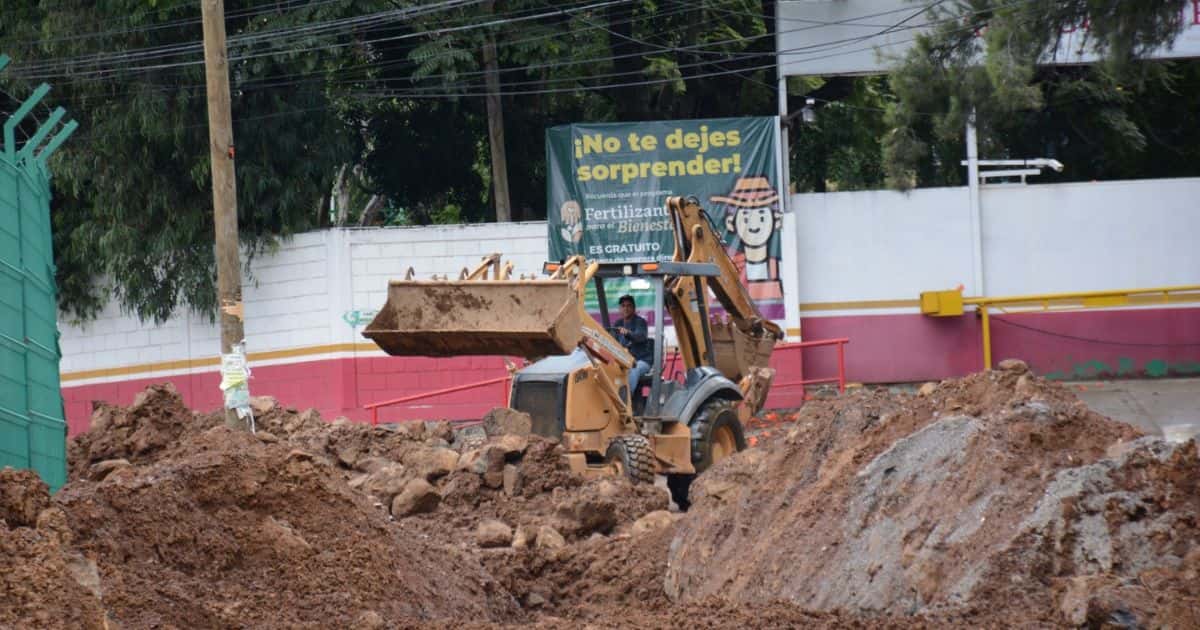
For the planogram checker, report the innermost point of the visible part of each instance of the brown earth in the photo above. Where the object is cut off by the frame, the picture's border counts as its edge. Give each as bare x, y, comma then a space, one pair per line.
44, 583
227, 530
995, 500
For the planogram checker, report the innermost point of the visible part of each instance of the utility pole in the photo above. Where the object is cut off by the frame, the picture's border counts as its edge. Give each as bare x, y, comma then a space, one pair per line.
225, 216
495, 113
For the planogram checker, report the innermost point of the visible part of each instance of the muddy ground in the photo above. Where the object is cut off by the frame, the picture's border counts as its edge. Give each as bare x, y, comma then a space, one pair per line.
997, 500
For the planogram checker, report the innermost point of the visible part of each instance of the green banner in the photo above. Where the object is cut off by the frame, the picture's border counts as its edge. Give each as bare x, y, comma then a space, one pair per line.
607, 185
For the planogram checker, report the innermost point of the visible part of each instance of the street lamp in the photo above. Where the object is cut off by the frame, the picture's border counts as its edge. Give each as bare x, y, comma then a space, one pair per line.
809, 114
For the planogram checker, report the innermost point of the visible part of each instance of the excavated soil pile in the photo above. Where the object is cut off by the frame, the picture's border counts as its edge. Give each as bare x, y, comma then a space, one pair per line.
44, 583
135, 434
993, 499
308, 522
227, 530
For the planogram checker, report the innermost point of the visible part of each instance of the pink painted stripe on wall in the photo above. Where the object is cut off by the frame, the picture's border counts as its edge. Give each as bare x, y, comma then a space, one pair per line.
883, 349
1069, 345
341, 387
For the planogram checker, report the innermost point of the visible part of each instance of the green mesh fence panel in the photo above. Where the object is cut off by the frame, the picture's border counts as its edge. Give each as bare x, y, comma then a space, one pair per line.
33, 428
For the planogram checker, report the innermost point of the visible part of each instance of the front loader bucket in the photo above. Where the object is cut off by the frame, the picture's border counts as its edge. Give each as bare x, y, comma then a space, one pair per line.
527, 318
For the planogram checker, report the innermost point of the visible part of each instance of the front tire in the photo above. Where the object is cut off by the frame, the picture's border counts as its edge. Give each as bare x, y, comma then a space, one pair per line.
632, 456
716, 434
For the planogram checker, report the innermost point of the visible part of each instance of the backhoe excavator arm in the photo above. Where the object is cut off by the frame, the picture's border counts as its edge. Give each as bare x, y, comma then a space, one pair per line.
739, 346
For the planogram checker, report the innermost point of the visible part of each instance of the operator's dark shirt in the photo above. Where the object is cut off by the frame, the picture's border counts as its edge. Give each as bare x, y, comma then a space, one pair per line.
636, 341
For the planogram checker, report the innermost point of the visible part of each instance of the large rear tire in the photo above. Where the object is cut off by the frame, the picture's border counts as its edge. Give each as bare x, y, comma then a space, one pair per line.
716, 434
632, 456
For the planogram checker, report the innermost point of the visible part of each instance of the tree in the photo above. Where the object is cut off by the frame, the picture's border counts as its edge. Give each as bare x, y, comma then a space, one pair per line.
345, 111
982, 58
133, 209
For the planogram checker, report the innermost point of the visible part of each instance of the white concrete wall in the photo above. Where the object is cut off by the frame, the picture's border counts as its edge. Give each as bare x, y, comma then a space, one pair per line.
1091, 236
320, 288
378, 255
310, 293
882, 245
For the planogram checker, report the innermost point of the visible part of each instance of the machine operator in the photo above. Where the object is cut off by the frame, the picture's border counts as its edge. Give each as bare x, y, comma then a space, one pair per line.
633, 333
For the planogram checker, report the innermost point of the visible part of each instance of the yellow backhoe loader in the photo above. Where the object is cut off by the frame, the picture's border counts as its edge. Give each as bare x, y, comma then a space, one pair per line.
576, 387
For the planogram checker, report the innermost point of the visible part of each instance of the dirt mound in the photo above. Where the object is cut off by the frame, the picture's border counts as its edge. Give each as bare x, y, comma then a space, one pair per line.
194, 524
156, 420
43, 582
227, 530
892, 504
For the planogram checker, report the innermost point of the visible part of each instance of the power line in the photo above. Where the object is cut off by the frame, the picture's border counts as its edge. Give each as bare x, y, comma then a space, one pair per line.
276, 83
423, 93
692, 48
250, 12
1106, 342
37, 70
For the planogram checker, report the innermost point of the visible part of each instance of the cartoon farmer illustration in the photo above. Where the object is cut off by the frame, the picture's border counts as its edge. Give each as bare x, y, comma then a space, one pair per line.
752, 215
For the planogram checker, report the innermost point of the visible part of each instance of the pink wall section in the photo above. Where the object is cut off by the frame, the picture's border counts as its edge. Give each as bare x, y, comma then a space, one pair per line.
883, 349
341, 387
1064, 345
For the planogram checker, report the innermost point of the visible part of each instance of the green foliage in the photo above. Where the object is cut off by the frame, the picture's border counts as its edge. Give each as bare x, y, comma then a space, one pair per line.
543, 63
982, 57
841, 149
134, 203
398, 102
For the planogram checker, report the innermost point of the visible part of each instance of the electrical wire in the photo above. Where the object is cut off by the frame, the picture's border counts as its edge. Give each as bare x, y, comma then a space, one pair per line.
250, 12
1106, 342
691, 48
38, 69
431, 93
276, 82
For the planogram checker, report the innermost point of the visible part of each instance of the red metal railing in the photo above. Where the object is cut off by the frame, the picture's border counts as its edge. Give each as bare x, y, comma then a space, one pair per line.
840, 379
374, 407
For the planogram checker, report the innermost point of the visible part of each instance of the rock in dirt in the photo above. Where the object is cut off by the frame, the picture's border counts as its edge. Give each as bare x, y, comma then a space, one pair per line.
262, 405
584, 513
512, 480
493, 533
418, 497
1013, 365
487, 462
505, 421
369, 620
386, 482
102, 469
658, 519
549, 538
513, 446
927, 389
432, 463
373, 464
524, 536
443, 431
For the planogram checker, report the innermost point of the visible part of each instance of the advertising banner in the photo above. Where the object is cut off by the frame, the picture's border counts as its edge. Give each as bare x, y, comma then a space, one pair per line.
607, 184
